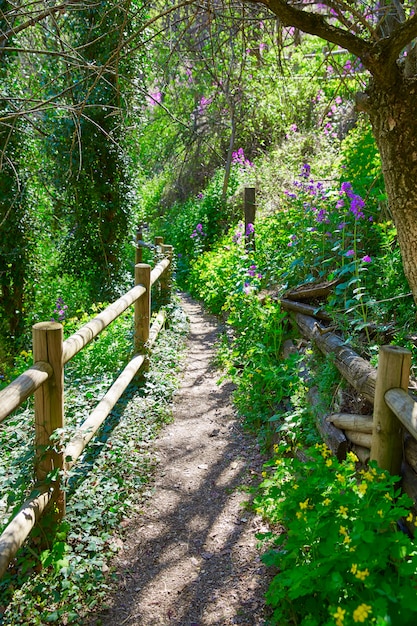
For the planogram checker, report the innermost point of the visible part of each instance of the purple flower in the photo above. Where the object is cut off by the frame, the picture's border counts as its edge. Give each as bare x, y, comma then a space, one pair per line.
252, 270
198, 232
154, 98
366, 259
290, 194
346, 188
305, 170
357, 203
238, 158
204, 103
249, 229
321, 215
350, 253
60, 310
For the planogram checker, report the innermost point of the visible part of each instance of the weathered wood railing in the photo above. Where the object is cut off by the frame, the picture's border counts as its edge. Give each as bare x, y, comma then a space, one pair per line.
45, 379
380, 436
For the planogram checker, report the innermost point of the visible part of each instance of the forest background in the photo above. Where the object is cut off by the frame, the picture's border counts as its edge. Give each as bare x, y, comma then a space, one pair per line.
116, 115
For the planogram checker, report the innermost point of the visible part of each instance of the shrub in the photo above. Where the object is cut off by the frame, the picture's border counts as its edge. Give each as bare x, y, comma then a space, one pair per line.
342, 559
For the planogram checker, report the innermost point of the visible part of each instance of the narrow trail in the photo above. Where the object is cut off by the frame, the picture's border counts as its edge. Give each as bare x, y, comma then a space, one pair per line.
189, 556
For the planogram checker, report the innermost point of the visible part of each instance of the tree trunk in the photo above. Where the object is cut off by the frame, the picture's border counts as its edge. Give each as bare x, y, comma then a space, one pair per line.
394, 123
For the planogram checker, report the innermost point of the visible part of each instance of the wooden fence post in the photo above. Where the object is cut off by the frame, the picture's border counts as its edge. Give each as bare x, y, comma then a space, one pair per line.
49, 408
166, 278
387, 437
142, 307
138, 249
159, 242
250, 215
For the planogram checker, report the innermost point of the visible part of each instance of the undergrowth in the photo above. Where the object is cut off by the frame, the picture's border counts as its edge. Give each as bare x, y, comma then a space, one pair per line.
337, 554
60, 582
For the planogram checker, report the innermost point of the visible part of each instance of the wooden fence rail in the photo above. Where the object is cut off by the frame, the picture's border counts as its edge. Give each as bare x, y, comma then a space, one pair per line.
389, 435
45, 380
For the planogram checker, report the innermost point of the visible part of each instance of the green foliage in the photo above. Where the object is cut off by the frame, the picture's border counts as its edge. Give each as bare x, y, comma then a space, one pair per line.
63, 582
264, 381
341, 559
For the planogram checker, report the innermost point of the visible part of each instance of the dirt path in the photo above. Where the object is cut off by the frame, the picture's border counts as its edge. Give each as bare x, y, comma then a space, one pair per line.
189, 556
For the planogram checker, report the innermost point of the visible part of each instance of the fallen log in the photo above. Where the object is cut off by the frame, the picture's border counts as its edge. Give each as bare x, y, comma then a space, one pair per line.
357, 371
359, 439
306, 309
410, 451
362, 453
332, 436
311, 291
350, 421
409, 482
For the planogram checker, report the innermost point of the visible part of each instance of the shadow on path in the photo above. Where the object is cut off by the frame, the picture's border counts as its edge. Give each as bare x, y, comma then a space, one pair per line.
190, 557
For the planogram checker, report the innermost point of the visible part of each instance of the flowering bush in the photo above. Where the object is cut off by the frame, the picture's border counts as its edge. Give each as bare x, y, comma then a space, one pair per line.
342, 560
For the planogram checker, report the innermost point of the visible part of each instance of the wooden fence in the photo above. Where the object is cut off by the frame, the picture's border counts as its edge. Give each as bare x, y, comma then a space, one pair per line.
389, 435
45, 379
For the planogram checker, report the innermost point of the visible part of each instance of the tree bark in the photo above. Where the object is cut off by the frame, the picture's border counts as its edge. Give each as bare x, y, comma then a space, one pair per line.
394, 124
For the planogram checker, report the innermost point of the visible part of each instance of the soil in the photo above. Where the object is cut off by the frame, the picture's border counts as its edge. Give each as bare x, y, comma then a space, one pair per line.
189, 555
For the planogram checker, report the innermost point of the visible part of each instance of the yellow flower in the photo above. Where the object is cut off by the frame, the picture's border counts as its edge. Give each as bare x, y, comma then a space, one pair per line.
361, 613
341, 479
295, 486
324, 450
367, 475
347, 540
409, 517
354, 568
343, 511
343, 530
388, 496
264, 474
304, 505
329, 462
352, 457
362, 488
362, 574
380, 513
326, 501
339, 616
276, 448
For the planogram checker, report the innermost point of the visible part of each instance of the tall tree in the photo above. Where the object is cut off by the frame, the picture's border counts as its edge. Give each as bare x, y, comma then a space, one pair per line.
381, 35
16, 240
88, 148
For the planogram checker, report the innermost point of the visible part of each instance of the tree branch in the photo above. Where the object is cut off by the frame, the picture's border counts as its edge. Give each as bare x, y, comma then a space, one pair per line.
403, 34
316, 24
379, 57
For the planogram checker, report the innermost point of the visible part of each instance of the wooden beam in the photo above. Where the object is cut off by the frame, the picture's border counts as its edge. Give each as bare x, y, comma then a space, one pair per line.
357, 371
387, 437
